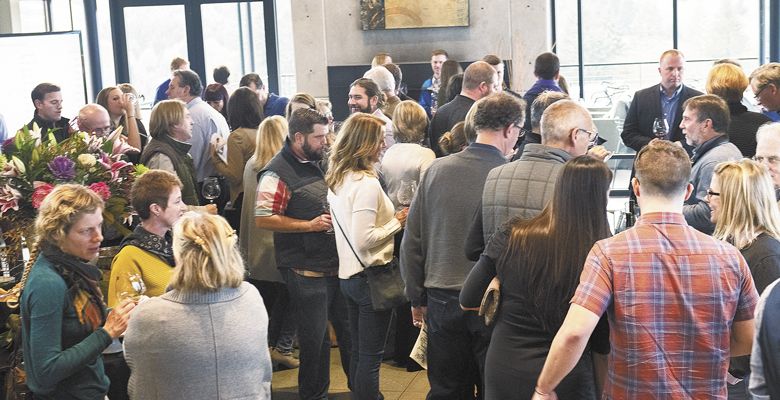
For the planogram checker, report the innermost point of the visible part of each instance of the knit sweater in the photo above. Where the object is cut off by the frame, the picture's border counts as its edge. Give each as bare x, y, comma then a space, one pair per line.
432, 248
154, 271
62, 358
200, 345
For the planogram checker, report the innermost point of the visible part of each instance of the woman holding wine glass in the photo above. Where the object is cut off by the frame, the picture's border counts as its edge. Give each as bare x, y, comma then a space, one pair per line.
206, 338
148, 251
407, 160
122, 111
65, 324
365, 221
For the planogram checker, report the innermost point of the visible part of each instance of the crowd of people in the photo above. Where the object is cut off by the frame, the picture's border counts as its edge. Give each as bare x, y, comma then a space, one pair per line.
472, 187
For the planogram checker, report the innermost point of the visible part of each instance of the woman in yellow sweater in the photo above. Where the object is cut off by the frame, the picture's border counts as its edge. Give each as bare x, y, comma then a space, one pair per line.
148, 251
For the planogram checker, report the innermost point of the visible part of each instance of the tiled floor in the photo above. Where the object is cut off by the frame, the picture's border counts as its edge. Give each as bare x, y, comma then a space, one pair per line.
395, 383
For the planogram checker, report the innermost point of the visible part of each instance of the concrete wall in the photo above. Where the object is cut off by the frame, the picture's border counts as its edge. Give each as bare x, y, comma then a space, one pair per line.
327, 33
9, 16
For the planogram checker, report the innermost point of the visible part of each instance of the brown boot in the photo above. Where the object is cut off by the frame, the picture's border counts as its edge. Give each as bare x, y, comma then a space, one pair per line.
279, 358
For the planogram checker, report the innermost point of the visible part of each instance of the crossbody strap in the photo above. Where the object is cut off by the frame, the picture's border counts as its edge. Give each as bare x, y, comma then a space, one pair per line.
346, 238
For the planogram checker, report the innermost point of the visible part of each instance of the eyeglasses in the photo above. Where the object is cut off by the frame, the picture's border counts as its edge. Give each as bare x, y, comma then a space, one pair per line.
758, 94
710, 193
773, 160
592, 135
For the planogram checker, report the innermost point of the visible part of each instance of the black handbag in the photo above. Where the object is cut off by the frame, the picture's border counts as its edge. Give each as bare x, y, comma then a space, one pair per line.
384, 281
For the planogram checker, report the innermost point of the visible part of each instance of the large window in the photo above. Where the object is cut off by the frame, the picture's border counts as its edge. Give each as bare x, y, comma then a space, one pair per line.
621, 41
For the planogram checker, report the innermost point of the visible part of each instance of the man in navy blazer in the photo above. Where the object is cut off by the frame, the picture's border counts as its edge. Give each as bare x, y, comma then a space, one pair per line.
662, 100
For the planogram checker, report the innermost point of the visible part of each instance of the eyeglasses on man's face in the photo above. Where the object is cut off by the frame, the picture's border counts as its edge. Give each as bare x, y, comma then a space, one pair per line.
592, 135
774, 160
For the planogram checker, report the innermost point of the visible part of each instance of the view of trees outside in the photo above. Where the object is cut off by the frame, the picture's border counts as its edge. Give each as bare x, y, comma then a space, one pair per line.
629, 36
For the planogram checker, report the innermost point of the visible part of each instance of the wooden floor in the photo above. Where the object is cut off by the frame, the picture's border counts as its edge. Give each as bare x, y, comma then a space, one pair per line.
395, 383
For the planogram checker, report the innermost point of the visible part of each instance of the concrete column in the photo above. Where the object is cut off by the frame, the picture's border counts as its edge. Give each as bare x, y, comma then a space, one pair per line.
10, 19
531, 35
311, 53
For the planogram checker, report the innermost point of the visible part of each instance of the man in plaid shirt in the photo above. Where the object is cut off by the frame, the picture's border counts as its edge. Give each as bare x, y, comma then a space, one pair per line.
679, 302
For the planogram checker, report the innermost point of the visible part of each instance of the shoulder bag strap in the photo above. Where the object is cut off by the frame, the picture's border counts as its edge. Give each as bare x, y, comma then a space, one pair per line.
347, 239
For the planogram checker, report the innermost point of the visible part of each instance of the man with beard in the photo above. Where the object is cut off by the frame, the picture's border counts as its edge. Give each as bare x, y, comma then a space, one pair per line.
291, 200
365, 96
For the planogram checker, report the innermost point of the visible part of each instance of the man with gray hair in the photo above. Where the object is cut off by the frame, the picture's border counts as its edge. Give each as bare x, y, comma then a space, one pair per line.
432, 261
479, 80
206, 123
768, 151
765, 84
94, 119
704, 122
384, 79
523, 188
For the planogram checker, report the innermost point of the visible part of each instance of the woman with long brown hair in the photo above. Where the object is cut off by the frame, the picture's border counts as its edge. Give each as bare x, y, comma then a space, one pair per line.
539, 262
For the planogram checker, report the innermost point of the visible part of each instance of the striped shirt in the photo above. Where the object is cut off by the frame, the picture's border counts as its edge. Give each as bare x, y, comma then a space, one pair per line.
671, 294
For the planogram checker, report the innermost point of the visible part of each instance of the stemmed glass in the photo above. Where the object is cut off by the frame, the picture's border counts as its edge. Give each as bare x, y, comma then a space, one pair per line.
211, 189
660, 128
406, 193
131, 286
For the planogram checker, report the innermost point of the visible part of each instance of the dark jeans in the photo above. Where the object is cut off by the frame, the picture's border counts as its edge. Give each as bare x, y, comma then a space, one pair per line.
457, 346
281, 324
368, 329
314, 301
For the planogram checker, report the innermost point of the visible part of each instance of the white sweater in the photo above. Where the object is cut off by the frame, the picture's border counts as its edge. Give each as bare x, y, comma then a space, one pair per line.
367, 217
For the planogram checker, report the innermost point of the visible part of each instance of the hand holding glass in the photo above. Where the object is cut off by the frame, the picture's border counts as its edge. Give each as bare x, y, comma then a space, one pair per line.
406, 193
660, 128
211, 189
326, 210
131, 286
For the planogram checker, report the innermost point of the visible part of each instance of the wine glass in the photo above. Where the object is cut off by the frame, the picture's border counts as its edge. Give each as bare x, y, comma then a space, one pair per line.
660, 128
211, 189
131, 286
406, 193
326, 210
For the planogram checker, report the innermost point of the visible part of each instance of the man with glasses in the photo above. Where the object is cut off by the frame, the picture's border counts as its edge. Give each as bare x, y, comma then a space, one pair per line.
704, 122
94, 119
432, 260
522, 188
765, 84
47, 99
479, 81
768, 151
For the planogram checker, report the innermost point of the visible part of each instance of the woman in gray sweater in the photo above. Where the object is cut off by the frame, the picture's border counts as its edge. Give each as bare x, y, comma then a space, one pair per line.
207, 337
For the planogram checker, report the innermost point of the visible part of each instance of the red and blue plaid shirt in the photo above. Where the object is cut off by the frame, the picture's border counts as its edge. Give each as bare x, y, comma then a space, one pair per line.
671, 294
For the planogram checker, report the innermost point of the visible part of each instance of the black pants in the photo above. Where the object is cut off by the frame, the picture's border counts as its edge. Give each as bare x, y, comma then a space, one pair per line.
457, 345
119, 373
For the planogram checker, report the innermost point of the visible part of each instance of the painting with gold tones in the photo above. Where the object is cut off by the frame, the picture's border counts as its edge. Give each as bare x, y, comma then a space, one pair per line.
404, 14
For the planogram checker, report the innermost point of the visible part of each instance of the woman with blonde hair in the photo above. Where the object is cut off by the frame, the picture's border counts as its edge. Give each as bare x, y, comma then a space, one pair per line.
206, 337
365, 221
407, 159
729, 82
171, 129
65, 325
745, 213
257, 245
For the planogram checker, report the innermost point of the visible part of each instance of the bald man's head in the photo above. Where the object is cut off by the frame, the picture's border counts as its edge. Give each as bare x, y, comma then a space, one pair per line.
94, 119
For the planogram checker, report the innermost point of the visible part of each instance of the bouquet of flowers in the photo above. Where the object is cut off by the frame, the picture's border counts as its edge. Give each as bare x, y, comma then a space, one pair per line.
30, 169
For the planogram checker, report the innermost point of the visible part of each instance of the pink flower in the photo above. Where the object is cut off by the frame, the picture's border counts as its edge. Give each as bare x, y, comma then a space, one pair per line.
101, 189
9, 199
42, 189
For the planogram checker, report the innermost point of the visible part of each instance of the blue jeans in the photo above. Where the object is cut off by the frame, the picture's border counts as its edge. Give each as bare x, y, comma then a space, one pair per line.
314, 301
457, 347
368, 329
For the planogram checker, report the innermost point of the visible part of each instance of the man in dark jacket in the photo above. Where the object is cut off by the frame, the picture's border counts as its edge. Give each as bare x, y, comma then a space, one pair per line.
290, 198
47, 99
